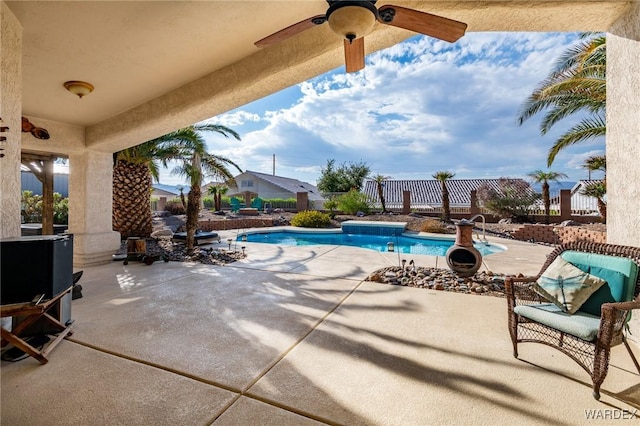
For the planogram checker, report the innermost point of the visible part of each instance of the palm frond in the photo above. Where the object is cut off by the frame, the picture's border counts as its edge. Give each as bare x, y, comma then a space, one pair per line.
588, 128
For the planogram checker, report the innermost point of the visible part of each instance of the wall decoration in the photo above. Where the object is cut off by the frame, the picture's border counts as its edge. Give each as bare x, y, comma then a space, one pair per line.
38, 132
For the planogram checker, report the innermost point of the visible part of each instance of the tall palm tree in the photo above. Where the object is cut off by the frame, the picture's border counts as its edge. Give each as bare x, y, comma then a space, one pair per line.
595, 163
133, 171
379, 180
540, 176
134, 167
190, 149
597, 190
217, 191
443, 176
577, 84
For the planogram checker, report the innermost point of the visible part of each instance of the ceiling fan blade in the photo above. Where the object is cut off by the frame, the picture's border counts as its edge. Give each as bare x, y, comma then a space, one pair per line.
425, 23
291, 31
354, 54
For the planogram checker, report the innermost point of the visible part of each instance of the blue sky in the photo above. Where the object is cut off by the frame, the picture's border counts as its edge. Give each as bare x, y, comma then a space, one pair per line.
418, 107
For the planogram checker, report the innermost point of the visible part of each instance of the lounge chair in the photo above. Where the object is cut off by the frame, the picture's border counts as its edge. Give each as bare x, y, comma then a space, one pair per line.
256, 203
588, 330
235, 205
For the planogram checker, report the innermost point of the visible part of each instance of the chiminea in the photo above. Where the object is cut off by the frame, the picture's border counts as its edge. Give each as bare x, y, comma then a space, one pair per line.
462, 257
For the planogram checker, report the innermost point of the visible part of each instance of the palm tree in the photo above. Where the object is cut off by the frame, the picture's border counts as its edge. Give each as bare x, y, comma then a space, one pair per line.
379, 180
577, 84
443, 176
597, 190
135, 167
217, 191
133, 171
595, 163
190, 149
540, 176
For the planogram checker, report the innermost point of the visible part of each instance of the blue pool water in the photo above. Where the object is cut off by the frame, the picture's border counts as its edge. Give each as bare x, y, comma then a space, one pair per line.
402, 244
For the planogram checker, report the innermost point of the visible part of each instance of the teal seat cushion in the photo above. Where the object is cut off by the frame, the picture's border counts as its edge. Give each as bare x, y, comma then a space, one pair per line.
582, 325
619, 272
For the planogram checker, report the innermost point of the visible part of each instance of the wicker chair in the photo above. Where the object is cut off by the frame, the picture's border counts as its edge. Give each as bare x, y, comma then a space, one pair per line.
591, 354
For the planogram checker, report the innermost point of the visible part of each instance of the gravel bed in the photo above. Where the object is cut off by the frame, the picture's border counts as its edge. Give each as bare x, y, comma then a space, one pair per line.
168, 250
481, 283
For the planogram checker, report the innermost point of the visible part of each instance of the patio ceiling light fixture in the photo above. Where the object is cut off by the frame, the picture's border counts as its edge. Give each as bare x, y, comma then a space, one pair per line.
350, 20
78, 88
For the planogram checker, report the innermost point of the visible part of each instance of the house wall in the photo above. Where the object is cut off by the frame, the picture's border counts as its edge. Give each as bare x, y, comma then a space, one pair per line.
623, 136
263, 188
11, 110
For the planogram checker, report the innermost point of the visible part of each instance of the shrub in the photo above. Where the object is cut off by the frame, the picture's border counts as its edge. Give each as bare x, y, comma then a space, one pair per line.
310, 219
433, 226
60, 209
331, 205
353, 202
208, 202
32, 208
511, 200
174, 207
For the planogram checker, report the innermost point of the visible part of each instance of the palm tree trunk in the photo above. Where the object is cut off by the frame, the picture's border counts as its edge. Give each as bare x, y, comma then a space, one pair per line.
445, 203
131, 212
602, 207
547, 201
193, 202
381, 195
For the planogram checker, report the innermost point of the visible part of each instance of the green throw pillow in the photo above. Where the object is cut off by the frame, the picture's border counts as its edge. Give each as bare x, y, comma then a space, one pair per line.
566, 286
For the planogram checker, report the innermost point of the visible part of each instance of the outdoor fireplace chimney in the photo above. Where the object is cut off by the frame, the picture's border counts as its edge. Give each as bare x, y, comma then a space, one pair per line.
462, 257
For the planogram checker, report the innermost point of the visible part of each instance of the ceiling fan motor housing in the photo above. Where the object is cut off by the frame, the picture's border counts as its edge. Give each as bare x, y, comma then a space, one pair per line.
352, 19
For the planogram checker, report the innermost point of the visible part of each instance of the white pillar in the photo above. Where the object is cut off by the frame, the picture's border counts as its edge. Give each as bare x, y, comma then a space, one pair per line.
623, 136
10, 112
90, 203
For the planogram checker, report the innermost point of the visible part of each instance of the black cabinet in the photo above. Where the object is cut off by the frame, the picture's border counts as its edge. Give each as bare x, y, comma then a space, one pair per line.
35, 265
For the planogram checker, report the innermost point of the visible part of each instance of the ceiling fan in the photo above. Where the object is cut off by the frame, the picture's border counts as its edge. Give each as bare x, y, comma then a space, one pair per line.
354, 19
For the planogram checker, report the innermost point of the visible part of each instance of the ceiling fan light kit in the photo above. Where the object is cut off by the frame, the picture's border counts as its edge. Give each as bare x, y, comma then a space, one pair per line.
354, 19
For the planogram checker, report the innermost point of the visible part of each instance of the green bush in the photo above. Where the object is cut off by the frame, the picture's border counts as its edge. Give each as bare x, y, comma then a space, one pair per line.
353, 202
32, 208
60, 209
310, 219
208, 202
331, 205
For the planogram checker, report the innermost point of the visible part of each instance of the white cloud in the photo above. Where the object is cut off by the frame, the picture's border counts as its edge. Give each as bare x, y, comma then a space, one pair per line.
418, 107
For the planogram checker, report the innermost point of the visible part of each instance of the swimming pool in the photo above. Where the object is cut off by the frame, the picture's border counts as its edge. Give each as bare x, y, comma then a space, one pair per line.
401, 243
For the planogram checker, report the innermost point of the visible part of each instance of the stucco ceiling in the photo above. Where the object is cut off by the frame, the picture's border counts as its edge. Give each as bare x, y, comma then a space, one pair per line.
192, 60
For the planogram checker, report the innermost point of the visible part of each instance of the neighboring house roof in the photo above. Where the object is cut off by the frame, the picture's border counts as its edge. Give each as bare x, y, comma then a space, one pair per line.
583, 183
170, 189
288, 184
429, 191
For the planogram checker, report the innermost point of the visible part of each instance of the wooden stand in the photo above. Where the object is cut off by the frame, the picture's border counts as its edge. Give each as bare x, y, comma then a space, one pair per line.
32, 313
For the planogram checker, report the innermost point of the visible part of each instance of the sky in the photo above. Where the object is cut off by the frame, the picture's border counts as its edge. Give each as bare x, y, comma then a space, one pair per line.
418, 107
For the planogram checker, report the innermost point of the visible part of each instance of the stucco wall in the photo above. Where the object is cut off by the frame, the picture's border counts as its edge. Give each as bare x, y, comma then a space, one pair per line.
623, 136
10, 110
64, 138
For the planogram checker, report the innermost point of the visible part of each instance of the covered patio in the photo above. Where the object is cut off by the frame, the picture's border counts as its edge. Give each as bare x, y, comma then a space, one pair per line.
282, 338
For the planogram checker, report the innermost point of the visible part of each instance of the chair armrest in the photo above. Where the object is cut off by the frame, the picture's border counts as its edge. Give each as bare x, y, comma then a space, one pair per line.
519, 288
613, 317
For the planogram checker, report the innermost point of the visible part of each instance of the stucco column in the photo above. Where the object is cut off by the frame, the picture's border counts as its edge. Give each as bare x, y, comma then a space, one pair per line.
90, 203
623, 136
10, 112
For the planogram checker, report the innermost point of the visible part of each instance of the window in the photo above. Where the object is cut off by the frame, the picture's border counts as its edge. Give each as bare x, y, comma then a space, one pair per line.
246, 184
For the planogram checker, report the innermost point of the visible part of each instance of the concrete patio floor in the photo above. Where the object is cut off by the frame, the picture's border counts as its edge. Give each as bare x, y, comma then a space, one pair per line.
293, 336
